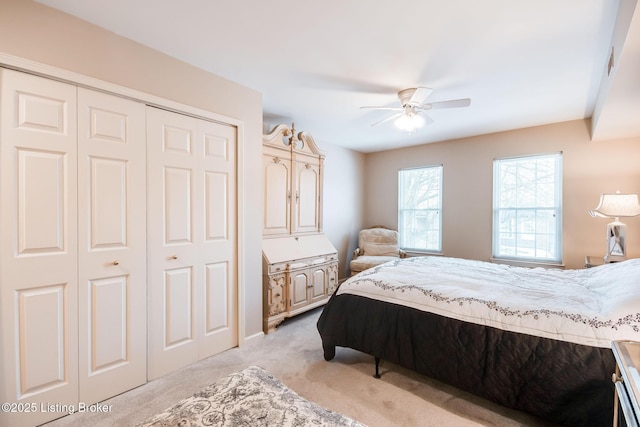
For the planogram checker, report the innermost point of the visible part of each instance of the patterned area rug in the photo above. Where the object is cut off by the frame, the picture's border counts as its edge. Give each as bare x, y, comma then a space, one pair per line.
251, 397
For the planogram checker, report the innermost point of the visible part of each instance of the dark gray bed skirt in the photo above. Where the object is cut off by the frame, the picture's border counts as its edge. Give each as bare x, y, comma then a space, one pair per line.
557, 381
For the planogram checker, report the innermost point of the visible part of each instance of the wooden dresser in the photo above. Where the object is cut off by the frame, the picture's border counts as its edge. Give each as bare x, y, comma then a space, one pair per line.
300, 265
627, 382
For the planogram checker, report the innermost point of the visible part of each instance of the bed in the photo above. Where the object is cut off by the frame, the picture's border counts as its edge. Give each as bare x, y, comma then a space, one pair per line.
533, 339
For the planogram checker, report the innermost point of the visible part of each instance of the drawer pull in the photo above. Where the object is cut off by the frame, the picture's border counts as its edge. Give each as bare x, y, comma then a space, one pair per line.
116, 262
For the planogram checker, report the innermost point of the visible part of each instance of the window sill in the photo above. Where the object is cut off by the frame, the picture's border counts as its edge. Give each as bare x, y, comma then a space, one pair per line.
528, 263
414, 253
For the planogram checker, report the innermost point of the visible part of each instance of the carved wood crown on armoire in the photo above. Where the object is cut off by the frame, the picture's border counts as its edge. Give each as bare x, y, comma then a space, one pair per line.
299, 263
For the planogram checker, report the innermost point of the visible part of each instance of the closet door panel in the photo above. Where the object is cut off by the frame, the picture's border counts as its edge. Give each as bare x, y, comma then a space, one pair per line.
218, 322
41, 203
179, 317
41, 339
108, 318
173, 263
38, 244
108, 203
177, 205
217, 311
216, 213
112, 244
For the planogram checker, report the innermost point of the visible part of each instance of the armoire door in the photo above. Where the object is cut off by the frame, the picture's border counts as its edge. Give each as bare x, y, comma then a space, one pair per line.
306, 193
38, 246
192, 274
112, 274
318, 285
277, 195
298, 295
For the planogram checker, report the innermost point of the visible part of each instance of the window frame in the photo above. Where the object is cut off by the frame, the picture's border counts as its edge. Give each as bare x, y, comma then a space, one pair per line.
438, 209
535, 209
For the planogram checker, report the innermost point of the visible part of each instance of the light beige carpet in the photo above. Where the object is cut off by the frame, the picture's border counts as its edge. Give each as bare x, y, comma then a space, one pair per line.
293, 354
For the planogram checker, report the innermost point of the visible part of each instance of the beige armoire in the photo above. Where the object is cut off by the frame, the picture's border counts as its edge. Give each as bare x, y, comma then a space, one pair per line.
300, 265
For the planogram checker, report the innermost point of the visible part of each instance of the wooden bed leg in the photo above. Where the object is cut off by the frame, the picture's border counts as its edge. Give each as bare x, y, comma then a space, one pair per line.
377, 374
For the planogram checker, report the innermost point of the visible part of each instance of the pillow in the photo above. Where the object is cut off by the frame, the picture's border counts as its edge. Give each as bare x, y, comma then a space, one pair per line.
381, 249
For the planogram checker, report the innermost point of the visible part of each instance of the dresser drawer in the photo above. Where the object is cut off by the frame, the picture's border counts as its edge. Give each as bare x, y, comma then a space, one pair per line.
280, 267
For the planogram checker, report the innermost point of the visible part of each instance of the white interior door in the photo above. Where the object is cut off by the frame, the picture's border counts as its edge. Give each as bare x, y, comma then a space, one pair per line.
217, 225
112, 245
191, 239
171, 196
38, 246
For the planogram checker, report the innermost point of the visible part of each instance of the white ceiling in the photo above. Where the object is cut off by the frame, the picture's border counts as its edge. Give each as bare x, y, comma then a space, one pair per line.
522, 63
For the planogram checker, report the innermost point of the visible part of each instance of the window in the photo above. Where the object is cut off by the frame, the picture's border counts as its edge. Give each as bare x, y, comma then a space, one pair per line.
419, 208
527, 208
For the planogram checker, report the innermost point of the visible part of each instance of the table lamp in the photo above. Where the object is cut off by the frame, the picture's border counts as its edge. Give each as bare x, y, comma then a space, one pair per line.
616, 206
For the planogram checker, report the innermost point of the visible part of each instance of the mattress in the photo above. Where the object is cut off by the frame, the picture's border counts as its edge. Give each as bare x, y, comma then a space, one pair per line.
591, 306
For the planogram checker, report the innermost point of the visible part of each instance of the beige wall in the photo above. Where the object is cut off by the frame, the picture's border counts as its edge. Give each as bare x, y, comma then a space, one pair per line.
343, 200
38, 33
589, 169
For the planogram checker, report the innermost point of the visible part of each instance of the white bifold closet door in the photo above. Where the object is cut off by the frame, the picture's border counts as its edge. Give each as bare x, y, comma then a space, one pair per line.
112, 274
72, 246
38, 245
192, 270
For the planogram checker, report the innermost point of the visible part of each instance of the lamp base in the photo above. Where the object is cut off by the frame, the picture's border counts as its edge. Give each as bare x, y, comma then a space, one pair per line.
613, 258
616, 242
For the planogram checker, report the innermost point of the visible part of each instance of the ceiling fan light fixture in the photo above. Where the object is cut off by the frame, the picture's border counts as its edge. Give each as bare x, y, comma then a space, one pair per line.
413, 101
409, 122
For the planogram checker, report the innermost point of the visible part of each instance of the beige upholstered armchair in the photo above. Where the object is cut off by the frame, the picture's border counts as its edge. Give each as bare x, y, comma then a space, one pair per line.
376, 246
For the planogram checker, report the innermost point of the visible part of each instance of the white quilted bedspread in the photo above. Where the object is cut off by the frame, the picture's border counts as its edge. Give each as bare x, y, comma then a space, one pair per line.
589, 306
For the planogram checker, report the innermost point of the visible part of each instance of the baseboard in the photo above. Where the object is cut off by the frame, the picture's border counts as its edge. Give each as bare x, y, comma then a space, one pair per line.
251, 337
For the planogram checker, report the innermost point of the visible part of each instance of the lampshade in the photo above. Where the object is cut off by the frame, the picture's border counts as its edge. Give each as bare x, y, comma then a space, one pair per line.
409, 122
616, 206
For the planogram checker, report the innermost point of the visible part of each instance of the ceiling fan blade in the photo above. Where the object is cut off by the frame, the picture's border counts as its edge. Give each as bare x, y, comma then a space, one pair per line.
427, 120
386, 119
420, 96
382, 108
454, 103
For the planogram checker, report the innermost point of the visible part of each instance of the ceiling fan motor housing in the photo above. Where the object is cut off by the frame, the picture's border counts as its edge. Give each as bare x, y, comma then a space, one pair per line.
410, 97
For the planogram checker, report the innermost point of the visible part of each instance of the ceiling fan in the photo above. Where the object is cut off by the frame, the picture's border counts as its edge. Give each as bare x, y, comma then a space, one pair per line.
413, 103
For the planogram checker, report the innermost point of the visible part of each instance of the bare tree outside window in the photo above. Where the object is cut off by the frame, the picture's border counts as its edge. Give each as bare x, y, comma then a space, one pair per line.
419, 208
527, 214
